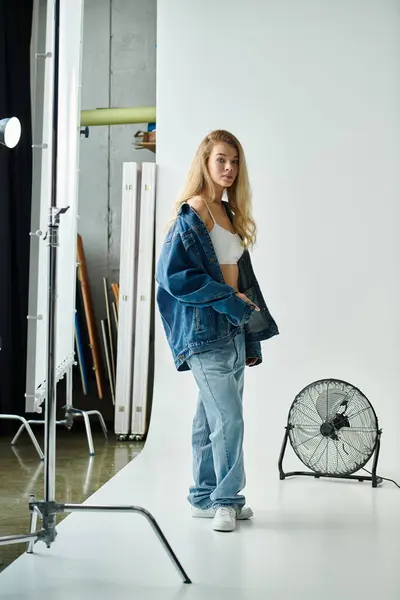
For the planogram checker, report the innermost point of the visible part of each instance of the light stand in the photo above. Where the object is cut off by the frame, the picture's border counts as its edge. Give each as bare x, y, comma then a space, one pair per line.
71, 415
49, 508
10, 132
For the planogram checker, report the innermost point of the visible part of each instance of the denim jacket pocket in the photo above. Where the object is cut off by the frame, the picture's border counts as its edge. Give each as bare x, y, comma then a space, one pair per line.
208, 323
254, 294
196, 317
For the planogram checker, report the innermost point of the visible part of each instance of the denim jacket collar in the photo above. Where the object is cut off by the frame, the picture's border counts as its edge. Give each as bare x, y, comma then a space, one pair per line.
198, 319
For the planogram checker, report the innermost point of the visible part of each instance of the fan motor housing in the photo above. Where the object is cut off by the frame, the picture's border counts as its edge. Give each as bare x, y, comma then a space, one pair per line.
327, 429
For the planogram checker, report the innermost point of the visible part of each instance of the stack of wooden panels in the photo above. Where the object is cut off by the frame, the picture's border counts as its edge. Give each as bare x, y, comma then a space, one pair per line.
126, 329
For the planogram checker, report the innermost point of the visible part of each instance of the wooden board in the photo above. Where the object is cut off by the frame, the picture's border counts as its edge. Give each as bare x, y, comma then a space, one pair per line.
115, 290
89, 315
80, 353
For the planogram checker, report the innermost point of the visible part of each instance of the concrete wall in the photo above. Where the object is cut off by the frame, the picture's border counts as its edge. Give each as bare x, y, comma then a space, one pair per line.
118, 70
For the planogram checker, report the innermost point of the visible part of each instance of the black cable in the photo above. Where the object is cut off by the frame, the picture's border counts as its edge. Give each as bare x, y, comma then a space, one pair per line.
384, 478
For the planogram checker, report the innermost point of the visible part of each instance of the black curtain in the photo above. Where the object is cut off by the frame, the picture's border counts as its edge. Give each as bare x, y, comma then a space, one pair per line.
15, 203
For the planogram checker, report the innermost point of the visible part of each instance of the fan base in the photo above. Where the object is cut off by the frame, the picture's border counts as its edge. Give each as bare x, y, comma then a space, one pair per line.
373, 477
375, 481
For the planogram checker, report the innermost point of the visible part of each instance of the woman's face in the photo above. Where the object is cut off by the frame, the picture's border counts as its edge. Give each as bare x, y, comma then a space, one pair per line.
223, 164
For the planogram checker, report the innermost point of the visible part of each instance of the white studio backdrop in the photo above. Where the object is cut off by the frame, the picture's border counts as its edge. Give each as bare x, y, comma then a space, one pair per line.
71, 23
312, 89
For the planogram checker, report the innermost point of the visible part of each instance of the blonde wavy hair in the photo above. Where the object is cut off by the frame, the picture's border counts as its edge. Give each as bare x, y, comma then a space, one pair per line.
199, 183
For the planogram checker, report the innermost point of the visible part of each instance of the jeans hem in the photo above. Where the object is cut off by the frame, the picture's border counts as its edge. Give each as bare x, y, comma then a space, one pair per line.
206, 507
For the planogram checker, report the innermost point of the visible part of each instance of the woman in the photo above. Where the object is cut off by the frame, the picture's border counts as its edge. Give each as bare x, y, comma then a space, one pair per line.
214, 317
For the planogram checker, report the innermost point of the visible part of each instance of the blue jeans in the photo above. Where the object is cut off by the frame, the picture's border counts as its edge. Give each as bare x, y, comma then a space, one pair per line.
217, 436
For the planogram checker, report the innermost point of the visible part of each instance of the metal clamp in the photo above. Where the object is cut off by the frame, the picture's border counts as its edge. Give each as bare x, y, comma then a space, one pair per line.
42, 146
37, 233
43, 55
35, 318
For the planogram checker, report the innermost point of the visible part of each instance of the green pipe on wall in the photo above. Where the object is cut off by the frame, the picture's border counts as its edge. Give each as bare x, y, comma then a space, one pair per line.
118, 116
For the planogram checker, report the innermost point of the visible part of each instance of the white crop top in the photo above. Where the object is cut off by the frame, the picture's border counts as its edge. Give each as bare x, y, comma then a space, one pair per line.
227, 245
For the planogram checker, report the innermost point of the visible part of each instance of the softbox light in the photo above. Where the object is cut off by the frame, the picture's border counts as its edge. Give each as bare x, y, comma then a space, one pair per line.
10, 132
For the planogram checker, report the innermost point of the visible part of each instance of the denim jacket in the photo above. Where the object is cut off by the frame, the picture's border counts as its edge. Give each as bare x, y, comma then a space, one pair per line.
198, 310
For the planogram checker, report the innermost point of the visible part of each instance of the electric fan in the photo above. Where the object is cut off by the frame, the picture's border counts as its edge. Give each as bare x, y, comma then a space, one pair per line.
333, 429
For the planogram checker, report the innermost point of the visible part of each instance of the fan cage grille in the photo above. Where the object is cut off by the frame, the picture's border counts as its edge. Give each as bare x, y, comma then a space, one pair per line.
333, 427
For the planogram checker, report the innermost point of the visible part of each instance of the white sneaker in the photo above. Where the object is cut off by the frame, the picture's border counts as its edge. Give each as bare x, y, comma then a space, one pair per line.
224, 519
209, 513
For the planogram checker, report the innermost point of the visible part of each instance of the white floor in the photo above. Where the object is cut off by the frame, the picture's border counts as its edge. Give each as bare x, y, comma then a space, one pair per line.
308, 539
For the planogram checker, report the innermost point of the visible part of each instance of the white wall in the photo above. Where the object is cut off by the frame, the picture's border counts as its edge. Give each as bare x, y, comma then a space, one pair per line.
312, 89
119, 70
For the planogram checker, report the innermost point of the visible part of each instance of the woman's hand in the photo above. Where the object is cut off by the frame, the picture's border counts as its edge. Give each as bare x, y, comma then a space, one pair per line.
246, 299
251, 361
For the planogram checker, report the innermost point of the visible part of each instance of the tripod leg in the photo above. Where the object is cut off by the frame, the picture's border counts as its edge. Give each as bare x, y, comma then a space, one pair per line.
33, 438
166, 545
32, 525
88, 433
25, 425
101, 419
62, 508
17, 435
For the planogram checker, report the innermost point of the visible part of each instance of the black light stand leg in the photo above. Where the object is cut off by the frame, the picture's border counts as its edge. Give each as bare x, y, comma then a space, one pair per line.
282, 474
63, 508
